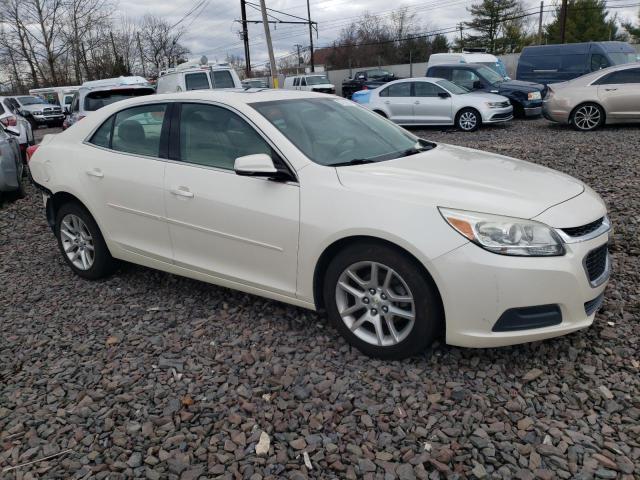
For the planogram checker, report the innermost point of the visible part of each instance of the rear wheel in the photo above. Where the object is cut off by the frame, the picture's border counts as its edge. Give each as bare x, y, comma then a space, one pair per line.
19, 192
81, 243
587, 117
468, 120
381, 302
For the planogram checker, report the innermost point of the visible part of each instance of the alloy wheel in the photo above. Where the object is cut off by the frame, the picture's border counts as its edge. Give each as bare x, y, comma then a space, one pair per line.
587, 117
77, 242
467, 121
375, 303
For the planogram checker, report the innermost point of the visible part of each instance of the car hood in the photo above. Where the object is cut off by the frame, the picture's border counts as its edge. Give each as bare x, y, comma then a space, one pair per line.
39, 107
519, 85
463, 178
485, 97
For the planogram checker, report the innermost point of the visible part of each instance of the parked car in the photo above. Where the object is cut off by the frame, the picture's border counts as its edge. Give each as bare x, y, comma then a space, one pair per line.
11, 165
610, 95
254, 83
557, 63
16, 123
316, 201
482, 58
95, 94
36, 110
366, 79
310, 83
56, 95
526, 97
435, 101
197, 76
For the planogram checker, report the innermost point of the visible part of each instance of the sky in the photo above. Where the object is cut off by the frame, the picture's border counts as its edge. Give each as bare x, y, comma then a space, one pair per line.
213, 31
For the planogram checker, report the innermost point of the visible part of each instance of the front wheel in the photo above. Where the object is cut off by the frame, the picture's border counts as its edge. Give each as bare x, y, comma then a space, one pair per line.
381, 302
81, 243
468, 120
587, 117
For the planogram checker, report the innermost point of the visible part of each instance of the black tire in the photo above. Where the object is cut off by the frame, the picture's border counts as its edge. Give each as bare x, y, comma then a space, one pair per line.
580, 123
381, 113
463, 124
20, 192
103, 263
429, 318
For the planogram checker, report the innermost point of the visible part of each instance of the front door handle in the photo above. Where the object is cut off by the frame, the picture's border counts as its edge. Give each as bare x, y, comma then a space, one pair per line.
182, 192
610, 89
417, 102
96, 172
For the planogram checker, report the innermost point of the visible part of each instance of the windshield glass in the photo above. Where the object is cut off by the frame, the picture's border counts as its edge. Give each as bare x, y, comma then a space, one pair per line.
317, 80
620, 58
452, 87
97, 100
30, 100
490, 75
336, 131
496, 67
378, 73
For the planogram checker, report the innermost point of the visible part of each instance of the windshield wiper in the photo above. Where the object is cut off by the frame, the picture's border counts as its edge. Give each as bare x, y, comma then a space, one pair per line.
355, 161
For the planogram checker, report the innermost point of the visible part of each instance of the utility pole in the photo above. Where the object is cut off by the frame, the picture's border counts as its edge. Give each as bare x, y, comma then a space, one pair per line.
461, 37
267, 34
540, 24
313, 67
245, 38
144, 73
297, 45
563, 20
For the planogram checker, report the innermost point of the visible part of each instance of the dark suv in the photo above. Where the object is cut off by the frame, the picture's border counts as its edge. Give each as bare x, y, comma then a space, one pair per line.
526, 97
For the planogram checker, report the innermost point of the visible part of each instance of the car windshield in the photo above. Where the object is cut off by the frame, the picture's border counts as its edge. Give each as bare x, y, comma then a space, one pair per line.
490, 75
378, 73
335, 131
496, 67
30, 100
452, 87
620, 58
97, 100
317, 80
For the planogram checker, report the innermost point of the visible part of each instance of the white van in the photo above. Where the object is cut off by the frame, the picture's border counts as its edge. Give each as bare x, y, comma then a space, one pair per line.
197, 76
95, 94
56, 95
311, 83
491, 61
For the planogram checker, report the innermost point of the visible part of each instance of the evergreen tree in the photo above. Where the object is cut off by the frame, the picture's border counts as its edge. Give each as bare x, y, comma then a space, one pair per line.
496, 26
587, 21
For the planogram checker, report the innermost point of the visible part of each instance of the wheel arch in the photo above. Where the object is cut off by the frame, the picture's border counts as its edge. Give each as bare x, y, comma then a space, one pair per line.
380, 112
56, 200
331, 250
467, 107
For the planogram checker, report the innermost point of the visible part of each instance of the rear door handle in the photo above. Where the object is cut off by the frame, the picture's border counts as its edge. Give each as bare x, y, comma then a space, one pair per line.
417, 102
387, 102
182, 192
96, 172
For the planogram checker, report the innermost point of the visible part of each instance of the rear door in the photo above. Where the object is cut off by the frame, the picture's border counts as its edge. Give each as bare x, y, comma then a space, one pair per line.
122, 176
428, 106
619, 93
399, 102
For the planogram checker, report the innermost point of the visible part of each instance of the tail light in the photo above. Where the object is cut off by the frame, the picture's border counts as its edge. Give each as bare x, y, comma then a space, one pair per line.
10, 121
30, 151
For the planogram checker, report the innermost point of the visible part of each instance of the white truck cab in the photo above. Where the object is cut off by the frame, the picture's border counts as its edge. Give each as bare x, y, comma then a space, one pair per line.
202, 75
311, 83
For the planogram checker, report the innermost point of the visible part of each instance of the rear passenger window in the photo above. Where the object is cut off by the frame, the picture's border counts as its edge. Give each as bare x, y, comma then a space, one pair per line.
102, 137
196, 81
296, 82
222, 79
399, 90
303, 82
137, 130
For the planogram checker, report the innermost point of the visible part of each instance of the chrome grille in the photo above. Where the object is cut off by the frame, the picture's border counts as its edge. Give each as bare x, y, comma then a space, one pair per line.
583, 229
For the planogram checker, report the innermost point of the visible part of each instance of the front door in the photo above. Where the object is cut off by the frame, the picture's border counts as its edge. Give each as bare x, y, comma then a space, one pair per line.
619, 93
429, 107
123, 179
241, 229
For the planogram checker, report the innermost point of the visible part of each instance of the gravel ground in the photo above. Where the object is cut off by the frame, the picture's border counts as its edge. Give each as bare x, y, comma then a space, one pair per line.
151, 375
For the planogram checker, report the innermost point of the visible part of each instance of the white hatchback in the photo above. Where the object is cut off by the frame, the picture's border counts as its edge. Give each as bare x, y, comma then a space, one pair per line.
315, 201
435, 101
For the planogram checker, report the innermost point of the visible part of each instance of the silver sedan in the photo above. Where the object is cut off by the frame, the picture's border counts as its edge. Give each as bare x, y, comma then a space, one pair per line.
435, 101
11, 165
610, 95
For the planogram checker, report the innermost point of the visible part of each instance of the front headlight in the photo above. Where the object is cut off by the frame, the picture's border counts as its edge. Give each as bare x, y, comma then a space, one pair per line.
505, 235
37, 112
534, 96
495, 104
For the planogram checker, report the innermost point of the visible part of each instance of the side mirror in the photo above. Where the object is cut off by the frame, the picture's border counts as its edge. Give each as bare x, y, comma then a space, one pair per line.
257, 165
444, 94
477, 85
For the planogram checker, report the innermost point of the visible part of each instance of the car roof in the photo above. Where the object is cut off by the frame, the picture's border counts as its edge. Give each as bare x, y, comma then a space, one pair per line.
588, 77
458, 65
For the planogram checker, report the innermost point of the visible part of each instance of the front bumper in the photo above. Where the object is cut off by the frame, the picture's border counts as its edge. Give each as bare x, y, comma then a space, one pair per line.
46, 119
497, 115
478, 287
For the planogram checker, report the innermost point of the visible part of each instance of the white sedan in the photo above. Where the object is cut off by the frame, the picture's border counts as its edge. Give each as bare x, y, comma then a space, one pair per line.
315, 201
435, 101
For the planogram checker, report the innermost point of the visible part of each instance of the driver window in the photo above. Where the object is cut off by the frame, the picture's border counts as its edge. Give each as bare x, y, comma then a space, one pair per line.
598, 61
465, 78
214, 137
303, 82
426, 89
